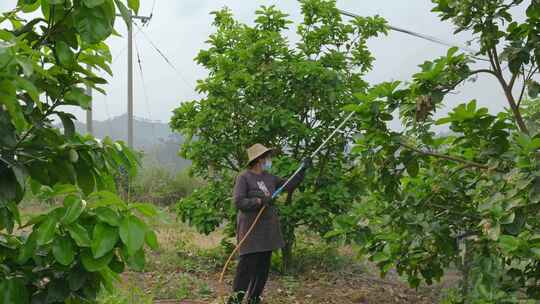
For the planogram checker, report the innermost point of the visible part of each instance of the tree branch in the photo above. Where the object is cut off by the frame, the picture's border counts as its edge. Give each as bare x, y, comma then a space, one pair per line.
494, 59
488, 71
232, 165
448, 157
525, 79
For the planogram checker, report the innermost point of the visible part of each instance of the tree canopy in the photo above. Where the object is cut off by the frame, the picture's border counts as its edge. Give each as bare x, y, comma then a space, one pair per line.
469, 198
263, 88
67, 254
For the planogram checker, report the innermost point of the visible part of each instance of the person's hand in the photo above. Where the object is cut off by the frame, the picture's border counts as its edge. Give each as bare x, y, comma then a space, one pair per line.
267, 201
307, 162
259, 201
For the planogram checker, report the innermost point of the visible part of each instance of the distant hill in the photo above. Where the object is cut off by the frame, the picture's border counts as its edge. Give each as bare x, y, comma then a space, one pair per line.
155, 138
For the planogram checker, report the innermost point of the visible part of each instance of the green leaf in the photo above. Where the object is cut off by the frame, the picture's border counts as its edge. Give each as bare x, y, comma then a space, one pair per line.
508, 243
67, 122
92, 264
104, 239
93, 24
412, 167
151, 240
30, 88
533, 88
379, 257
35, 220
132, 232
443, 121
64, 54
74, 207
124, 12
63, 189
136, 261
85, 178
77, 96
105, 198
28, 248
93, 3
79, 234
146, 209
63, 250
14, 291
134, 5
76, 278
26, 65
9, 100
109, 279
46, 231
108, 216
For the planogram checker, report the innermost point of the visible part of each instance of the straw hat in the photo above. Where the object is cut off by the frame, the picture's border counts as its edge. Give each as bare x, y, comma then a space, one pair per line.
256, 151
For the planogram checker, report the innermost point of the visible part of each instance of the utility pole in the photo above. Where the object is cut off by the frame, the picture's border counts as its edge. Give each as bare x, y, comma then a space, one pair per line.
89, 119
130, 74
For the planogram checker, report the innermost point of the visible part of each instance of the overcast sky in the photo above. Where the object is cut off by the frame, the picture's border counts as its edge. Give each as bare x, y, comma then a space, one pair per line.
181, 27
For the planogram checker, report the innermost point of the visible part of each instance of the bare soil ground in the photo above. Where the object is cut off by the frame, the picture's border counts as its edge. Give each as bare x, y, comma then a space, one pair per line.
186, 270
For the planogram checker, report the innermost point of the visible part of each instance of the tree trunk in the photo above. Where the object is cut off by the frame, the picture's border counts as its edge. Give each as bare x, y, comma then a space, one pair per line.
465, 268
287, 251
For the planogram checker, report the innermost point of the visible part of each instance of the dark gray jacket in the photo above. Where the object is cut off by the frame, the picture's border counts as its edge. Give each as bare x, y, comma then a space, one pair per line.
266, 236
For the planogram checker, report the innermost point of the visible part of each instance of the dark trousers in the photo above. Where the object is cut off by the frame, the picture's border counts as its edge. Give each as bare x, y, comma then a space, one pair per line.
251, 276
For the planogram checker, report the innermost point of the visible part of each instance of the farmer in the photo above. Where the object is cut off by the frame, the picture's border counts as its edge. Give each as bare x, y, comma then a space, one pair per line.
253, 190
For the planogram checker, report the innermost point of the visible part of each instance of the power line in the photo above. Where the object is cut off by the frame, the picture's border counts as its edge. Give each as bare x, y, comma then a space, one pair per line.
156, 48
145, 92
153, 7
419, 35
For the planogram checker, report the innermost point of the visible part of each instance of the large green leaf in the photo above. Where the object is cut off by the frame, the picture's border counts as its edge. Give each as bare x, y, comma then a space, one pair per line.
9, 100
79, 234
508, 243
8, 183
136, 261
85, 178
30, 88
93, 24
92, 264
63, 250
65, 55
104, 239
46, 231
77, 96
13, 291
93, 3
412, 167
151, 240
124, 12
134, 5
28, 248
74, 207
108, 216
145, 208
67, 122
76, 278
132, 233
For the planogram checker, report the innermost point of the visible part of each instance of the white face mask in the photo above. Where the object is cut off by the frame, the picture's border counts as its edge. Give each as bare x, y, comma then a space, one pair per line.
267, 164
